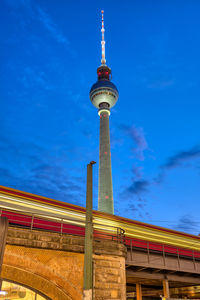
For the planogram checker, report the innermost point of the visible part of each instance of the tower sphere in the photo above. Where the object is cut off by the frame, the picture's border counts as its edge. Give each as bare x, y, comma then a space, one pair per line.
103, 94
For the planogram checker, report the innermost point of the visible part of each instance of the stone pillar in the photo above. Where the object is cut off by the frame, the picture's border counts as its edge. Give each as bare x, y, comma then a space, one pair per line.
105, 196
138, 291
3, 236
166, 288
109, 271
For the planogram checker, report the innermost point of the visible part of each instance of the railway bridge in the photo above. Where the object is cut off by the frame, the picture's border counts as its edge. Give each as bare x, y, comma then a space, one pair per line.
44, 254
154, 273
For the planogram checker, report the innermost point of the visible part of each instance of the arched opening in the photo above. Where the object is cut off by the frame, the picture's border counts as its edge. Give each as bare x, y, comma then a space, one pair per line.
55, 275
42, 286
12, 290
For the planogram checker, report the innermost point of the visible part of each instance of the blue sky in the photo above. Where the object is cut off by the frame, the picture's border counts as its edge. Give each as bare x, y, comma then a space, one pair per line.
50, 51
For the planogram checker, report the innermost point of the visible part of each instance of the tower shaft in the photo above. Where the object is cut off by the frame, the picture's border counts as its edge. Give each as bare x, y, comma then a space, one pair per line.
105, 196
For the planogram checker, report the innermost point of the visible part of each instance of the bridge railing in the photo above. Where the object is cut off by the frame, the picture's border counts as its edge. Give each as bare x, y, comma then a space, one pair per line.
67, 225
132, 295
165, 250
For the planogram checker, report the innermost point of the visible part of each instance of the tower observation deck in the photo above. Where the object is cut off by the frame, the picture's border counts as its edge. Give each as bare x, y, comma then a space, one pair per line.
104, 96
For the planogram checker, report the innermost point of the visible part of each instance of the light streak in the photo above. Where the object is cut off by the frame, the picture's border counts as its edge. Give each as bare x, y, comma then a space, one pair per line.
135, 231
39, 206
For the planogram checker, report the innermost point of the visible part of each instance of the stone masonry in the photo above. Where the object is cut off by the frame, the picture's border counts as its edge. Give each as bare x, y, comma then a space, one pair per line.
53, 265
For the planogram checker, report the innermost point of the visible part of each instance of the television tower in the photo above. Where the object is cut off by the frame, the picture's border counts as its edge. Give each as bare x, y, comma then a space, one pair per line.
104, 96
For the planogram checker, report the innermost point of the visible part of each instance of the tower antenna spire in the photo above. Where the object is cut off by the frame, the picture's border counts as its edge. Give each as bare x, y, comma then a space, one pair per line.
103, 56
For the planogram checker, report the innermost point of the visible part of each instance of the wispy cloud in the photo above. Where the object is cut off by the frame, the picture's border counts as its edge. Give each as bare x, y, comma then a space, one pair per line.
137, 207
135, 190
37, 13
51, 27
138, 187
32, 77
57, 181
137, 172
133, 208
187, 224
178, 160
33, 168
138, 137
181, 157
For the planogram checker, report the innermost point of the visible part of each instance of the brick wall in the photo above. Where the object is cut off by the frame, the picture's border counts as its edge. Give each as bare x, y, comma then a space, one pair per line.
53, 264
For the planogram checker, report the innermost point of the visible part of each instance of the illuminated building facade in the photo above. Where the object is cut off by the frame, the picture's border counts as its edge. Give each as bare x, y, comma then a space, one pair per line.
104, 96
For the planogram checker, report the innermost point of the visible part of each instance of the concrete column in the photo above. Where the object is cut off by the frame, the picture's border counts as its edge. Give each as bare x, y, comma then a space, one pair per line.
166, 288
105, 195
138, 291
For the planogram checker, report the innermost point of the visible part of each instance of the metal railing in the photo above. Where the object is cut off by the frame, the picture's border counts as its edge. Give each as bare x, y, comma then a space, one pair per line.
164, 250
68, 225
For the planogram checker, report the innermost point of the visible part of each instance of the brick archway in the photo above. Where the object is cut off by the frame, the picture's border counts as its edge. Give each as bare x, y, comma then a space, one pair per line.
56, 274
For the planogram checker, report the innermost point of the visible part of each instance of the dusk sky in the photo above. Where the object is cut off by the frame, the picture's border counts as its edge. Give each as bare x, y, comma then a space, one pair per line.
50, 51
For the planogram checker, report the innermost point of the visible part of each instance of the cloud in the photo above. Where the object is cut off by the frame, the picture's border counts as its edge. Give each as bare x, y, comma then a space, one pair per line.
178, 160
187, 224
138, 187
31, 167
52, 28
36, 12
32, 77
159, 178
136, 208
54, 180
137, 135
133, 208
133, 195
182, 156
137, 171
